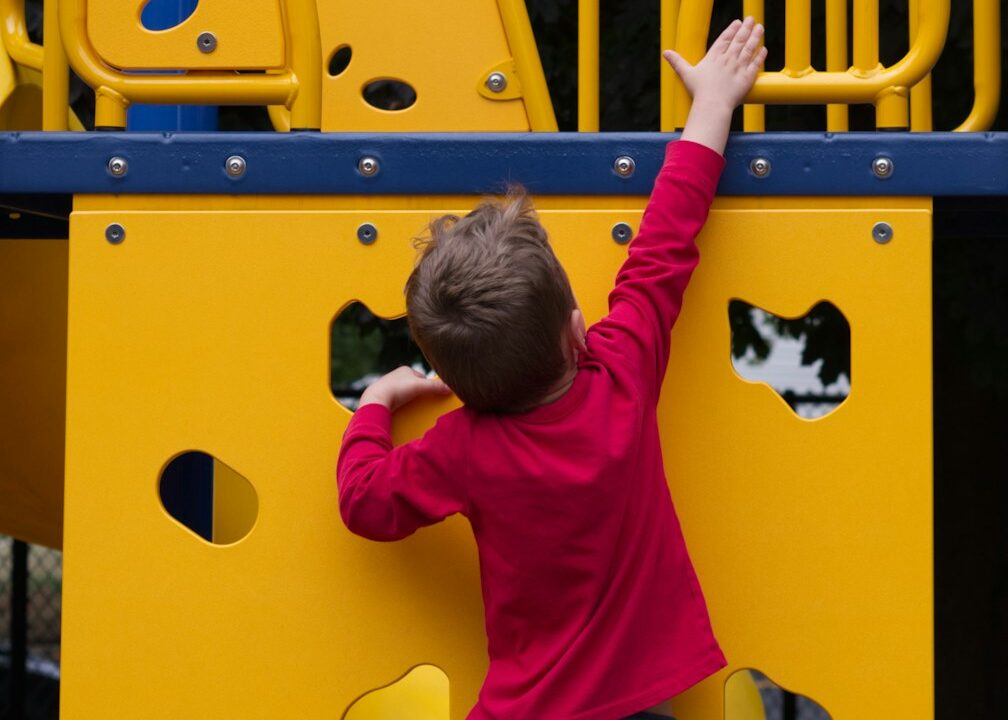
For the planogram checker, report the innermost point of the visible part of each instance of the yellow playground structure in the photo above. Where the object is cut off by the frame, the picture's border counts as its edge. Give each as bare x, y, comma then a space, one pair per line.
186, 312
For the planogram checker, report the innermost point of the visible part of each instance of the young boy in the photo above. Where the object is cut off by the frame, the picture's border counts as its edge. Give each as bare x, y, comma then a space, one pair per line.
593, 609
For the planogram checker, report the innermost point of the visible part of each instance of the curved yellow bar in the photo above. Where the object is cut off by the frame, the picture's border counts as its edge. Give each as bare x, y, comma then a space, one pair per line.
856, 85
15, 35
986, 66
521, 41
588, 65
114, 91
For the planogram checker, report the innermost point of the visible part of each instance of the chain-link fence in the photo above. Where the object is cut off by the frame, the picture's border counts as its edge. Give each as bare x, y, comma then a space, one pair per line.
31, 584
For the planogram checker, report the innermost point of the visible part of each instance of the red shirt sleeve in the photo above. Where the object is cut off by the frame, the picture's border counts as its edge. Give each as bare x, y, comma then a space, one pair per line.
650, 285
387, 493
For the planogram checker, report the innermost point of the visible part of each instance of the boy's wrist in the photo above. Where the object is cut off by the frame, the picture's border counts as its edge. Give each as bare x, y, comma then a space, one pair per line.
713, 106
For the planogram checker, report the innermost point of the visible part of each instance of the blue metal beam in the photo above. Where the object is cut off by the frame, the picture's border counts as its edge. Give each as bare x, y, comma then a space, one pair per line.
442, 163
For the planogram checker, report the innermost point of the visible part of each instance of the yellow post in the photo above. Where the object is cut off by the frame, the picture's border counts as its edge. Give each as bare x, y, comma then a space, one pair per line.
836, 58
55, 72
520, 39
891, 110
669, 80
798, 37
305, 55
691, 43
986, 66
920, 94
588, 65
754, 116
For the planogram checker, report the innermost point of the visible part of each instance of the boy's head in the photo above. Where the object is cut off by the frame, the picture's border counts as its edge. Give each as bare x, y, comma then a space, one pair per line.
490, 306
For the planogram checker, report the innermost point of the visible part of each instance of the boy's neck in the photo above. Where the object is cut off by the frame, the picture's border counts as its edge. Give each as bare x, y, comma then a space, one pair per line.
560, 388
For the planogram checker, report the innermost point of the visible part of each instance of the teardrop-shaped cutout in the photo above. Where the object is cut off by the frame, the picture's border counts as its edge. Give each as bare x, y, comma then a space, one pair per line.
364, 346
421, 694
166, 14
208, 497
389, 94
806, 360
751, 695
340, 60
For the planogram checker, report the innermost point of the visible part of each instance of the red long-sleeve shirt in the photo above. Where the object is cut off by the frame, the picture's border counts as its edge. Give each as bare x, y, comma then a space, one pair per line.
593, 609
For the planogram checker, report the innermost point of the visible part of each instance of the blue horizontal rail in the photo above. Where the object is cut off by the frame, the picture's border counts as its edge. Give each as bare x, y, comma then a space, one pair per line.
923, 164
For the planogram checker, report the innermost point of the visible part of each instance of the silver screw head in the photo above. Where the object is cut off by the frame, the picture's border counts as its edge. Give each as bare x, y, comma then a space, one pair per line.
368, 166
882, 167
760, 167
624, 166
117, 166
115, 233
235, 166
367, 233
496, 82
622, 233
206, 42
882, 232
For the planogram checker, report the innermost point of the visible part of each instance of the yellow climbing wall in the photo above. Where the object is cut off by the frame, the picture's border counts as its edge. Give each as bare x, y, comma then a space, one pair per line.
209, 331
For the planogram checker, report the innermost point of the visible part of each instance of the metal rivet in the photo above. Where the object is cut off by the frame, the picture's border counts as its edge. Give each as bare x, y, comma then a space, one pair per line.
760, 167
117, 166
367, 233
368, 166
622, 233
115, 233
235, 166
206, 42
882, 232
496, 82
624, 166
882, 167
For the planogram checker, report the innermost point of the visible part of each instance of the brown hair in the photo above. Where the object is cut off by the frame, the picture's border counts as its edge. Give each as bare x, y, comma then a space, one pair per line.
488, 303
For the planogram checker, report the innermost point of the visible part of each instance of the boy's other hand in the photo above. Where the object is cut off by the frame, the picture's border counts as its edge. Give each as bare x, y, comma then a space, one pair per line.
728, 70
401, 386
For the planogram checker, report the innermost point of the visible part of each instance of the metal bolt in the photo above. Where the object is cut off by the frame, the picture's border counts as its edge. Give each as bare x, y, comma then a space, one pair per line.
368, 166
496, 82
622, 233
206, 42
624, 166
882, 232
115, 233
882, 167
760, 167
367, 233
235, 166
117, 166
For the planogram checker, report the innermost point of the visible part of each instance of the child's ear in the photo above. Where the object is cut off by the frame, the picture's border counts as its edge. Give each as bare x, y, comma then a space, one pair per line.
577, 330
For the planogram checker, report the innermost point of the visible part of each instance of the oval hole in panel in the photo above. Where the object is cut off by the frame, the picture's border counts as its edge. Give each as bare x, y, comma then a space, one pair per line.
421, 694
340, 60
389, 94
208, 497
806, 360
751, 695
363, 347
166, 14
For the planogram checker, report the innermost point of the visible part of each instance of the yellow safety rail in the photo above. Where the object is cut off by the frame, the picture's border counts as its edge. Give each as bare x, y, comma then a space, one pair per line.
299, 87
15, 35
588, 65
521, 40
50, 61
866, 82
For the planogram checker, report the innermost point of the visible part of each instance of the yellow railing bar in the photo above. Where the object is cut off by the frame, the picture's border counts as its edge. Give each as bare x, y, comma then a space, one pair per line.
588, 65
754, 116
691, 43
986, 66
55, 72
15, 35
837, 116
518, 30
798, 37
667, 78
298, 88
920, 94
859, 84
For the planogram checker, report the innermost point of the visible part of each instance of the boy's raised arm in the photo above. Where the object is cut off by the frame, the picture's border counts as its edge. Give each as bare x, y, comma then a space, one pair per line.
649, 287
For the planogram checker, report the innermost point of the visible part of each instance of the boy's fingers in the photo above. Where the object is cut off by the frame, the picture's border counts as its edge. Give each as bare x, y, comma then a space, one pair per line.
757, 61
749, 50
726, 36
742, 36
674, 59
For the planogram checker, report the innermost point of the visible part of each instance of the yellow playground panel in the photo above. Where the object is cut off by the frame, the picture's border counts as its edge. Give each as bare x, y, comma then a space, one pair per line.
821, 580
